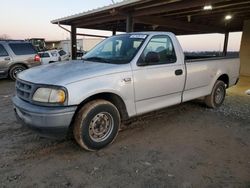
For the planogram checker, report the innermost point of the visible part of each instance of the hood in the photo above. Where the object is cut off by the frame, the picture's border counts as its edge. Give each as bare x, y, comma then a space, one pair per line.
63, 73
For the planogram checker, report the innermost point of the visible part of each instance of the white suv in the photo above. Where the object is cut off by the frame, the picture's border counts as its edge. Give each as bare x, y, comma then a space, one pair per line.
52, 56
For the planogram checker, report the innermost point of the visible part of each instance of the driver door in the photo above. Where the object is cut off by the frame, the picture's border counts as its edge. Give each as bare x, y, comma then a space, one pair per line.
160, 83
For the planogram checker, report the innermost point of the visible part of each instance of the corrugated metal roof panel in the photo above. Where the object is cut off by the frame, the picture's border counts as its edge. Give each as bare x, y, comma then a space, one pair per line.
120, 4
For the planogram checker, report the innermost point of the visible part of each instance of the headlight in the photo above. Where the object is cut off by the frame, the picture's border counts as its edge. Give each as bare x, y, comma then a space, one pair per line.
49, 95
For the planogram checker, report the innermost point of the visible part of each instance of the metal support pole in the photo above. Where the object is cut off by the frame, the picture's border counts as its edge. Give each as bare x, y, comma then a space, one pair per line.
73, 43
225, 44
114, 31
129, 23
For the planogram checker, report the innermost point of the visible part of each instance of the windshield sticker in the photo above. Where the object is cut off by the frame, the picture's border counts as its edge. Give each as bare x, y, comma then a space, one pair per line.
138, 36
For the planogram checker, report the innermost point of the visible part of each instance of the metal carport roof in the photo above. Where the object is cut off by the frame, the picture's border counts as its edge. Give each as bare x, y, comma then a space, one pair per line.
181, 17
178, 16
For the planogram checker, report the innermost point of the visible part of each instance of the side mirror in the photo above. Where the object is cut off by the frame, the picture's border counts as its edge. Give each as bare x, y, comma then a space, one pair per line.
152, 57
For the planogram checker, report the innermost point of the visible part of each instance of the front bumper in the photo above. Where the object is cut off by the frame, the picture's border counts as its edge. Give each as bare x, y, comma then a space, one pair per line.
48, 121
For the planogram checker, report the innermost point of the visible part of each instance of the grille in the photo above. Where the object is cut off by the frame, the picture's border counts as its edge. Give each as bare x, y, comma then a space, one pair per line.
24, 90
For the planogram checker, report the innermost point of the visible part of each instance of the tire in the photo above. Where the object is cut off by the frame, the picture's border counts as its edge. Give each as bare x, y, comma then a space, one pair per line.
16, 69
96, 125
216, 98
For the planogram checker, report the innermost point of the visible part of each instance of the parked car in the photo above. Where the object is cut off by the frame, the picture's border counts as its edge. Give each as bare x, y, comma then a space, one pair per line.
52, 56
16, 56
124, 76
64, 56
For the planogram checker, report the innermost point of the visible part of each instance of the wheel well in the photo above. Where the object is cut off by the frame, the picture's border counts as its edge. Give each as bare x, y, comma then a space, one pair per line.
111, 97
22, 64
225, 79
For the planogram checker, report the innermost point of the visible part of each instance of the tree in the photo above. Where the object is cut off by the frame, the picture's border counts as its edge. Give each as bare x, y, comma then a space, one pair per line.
4, 37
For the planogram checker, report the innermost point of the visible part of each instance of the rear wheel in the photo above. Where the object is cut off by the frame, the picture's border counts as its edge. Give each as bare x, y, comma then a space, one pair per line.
216, 98
96, 125
15, 70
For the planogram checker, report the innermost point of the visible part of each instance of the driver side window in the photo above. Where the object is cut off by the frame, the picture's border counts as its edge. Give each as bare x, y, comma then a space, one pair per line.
160, 50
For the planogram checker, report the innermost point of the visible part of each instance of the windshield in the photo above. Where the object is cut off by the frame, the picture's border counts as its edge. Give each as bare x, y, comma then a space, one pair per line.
119, 49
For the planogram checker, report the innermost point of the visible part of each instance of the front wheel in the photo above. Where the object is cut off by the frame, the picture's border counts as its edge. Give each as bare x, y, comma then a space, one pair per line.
15, 70
96, 125
216, 98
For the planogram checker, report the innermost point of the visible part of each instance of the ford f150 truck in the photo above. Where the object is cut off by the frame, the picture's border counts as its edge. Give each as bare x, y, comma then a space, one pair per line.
124, 76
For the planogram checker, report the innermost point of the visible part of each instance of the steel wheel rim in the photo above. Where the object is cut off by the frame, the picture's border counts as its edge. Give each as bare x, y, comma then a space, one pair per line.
101, 126
17, 71
219, 94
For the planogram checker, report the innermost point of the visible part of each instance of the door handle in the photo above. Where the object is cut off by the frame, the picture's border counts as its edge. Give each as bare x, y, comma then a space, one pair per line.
178, 72
7, 58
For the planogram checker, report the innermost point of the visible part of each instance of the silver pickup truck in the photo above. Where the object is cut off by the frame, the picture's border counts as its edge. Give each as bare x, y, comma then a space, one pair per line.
123, 76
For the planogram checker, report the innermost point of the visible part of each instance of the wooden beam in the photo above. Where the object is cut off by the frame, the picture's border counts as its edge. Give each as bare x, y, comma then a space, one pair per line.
90, 18
151, 4
100, 21
173, 7
178, 24
89, 35
99, 16
216, 8
216, 13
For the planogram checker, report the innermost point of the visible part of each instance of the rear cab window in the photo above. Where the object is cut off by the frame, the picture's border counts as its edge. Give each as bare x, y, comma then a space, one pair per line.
22, 48
54, 54
62, 52
3, 52
44, 55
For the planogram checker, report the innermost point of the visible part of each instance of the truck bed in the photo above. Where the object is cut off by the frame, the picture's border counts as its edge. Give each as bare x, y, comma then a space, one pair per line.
201, 74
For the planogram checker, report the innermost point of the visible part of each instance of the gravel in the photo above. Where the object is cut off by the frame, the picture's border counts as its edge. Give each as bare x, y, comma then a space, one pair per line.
182, 146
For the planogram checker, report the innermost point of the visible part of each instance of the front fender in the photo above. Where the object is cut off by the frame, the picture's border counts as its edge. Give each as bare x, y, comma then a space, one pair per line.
81, 90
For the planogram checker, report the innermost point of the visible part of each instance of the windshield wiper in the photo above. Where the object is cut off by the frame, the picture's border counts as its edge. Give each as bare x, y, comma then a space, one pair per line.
99, 59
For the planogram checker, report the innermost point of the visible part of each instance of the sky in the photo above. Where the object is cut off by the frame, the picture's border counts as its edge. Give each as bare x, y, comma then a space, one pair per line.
22, 19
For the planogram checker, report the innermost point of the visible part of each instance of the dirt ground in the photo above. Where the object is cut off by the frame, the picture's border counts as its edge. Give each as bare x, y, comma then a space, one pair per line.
182, 146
